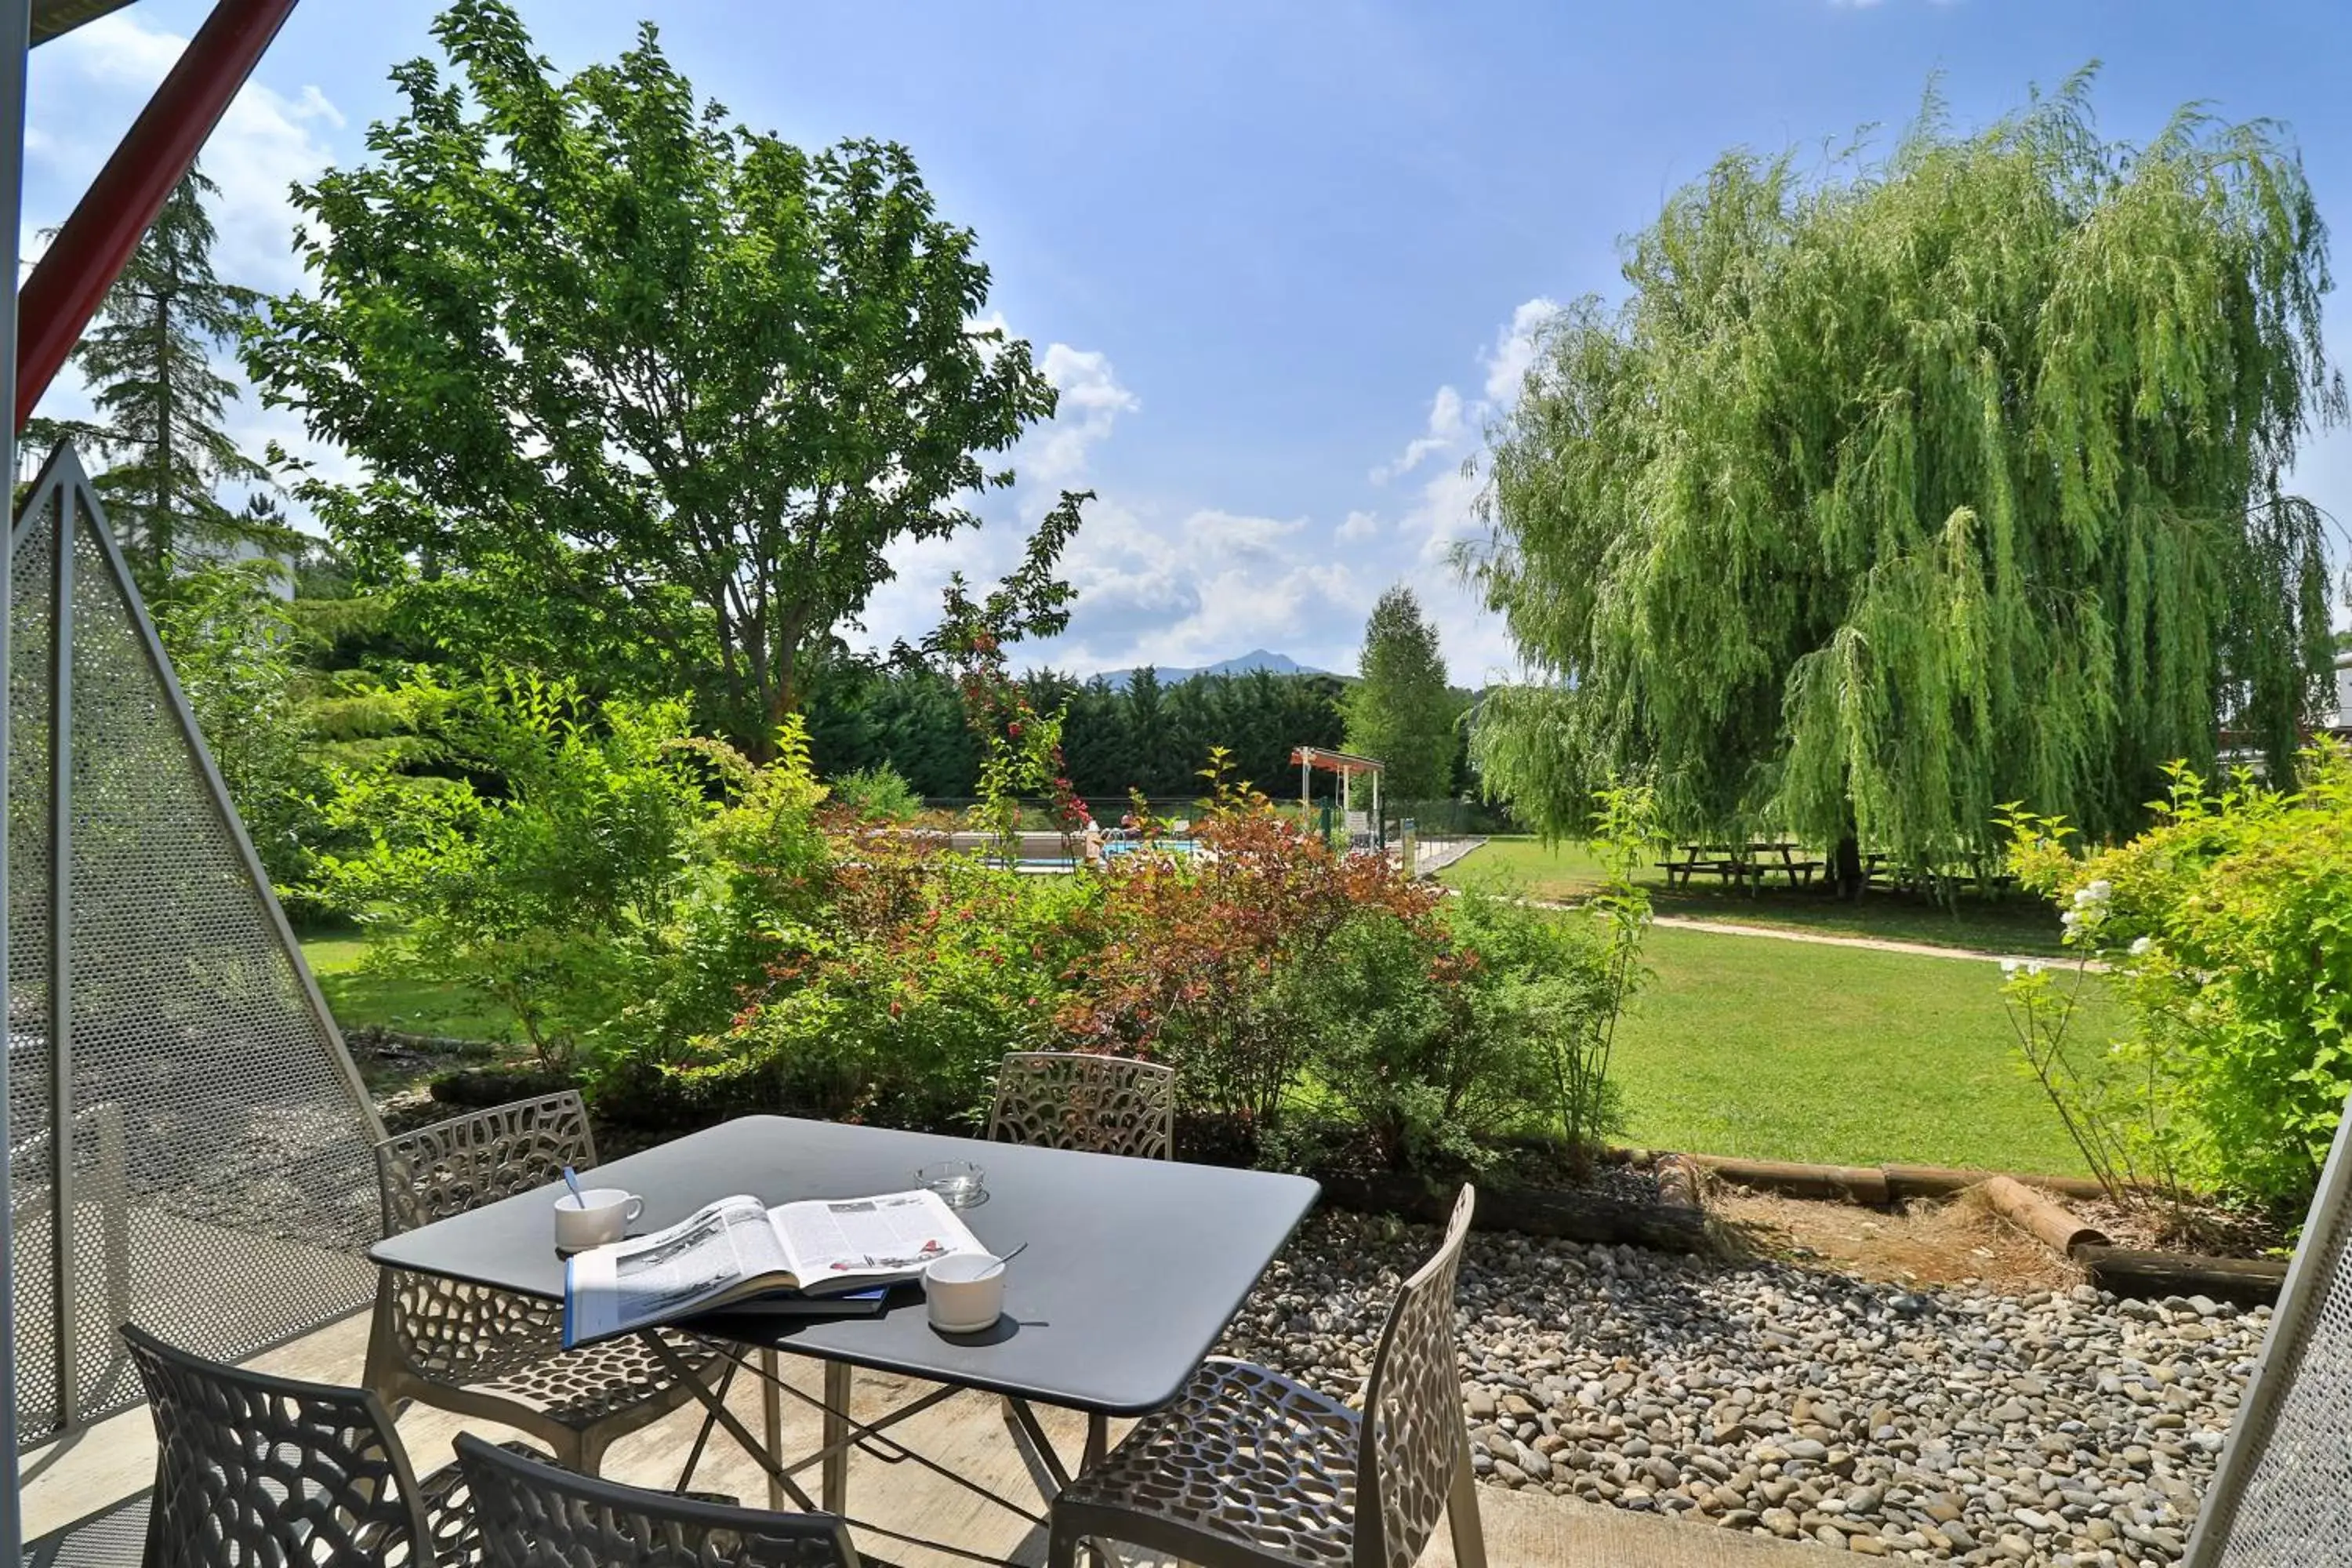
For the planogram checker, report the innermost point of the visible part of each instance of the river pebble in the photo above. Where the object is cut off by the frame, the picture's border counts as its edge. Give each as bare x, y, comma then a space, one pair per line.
1936, 1425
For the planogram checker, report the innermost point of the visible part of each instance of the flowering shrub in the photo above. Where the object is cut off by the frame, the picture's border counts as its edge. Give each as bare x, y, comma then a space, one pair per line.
1280, 976
2226, 931
1195, 951
896, 1004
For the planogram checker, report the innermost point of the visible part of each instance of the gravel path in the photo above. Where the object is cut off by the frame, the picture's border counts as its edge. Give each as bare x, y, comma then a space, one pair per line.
1943, 1425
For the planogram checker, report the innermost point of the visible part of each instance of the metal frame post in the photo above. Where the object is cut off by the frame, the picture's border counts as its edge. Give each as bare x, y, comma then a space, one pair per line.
62, 1250
15, 42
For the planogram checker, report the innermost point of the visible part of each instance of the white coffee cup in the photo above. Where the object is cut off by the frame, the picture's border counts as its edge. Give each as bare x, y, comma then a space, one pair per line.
595, 1217
965, 1292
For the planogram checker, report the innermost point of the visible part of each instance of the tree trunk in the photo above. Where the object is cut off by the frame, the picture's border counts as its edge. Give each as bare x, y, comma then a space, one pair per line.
1846, 867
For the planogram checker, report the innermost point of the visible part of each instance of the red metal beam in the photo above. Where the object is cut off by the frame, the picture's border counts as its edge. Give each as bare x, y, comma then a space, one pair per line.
88, 253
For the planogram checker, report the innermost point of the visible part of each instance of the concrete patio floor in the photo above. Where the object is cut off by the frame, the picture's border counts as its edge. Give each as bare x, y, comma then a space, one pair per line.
93, 1471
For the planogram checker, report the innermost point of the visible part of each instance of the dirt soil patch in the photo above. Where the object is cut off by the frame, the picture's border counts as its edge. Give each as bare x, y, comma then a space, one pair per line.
1924, 1242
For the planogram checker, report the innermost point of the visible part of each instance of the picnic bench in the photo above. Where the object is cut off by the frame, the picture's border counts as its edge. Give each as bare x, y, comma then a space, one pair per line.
1741, 865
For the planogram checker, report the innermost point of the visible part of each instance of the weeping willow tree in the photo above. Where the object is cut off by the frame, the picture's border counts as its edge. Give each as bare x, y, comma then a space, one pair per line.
1919, 485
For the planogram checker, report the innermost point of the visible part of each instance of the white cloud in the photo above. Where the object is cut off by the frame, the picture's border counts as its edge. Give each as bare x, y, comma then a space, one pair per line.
1514, 354
1190, 579
1445, 428
1445, 509
1206, 586
1090, 402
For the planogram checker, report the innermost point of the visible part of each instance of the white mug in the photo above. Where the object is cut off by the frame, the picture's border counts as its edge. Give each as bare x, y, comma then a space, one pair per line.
596, 1217
964, 1292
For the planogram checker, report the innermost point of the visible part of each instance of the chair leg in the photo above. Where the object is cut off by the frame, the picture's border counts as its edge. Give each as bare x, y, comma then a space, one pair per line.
1062, 1546
1461, 1509
579, 1452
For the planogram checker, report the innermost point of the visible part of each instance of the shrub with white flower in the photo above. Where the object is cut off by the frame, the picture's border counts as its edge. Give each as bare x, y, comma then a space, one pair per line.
2225, 930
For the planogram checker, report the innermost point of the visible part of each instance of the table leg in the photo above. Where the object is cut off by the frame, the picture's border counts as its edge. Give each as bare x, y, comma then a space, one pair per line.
837, 1380
732, 1423
771, 1412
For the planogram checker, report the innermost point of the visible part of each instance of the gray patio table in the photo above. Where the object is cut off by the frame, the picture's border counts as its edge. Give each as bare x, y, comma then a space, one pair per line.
1132, 1271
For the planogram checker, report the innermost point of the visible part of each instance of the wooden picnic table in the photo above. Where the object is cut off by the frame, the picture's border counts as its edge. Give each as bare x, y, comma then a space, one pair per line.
1742, 864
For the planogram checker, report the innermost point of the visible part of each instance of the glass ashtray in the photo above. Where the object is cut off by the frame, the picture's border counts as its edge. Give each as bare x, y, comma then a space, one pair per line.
959, 1183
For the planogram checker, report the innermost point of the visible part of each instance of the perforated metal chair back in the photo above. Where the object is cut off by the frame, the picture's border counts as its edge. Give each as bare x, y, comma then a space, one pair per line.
1414, 1443
1247, 1469
259, 1470
1076, 1099
480, 1157
2282, 1491
532, 1514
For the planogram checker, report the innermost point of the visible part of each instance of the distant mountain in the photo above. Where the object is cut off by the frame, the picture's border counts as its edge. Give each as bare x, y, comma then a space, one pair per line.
1256, 658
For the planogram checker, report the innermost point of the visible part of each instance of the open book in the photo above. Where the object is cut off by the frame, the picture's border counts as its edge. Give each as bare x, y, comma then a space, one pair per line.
735, 1249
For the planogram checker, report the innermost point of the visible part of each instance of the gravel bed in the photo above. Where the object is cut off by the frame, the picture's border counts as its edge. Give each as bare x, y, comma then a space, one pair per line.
2066, 1429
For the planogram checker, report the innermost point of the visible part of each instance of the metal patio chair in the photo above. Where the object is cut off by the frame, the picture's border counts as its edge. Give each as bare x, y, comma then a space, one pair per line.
2283, 1487
252, 1468
491, 1354
1249, 1470
1099, 1105
1074, 1099
531, 1514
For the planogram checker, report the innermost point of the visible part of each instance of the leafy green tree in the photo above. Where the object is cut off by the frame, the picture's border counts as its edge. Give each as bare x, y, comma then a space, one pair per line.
1401, 711
1891, 495
160, 402
631, 384
237, 653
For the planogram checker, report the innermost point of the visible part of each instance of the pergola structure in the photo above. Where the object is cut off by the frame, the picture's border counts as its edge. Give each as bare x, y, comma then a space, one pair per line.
1312, 760
52, 309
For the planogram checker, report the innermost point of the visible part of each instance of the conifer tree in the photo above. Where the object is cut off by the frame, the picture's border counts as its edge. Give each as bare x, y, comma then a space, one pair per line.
160, 402
1401, 711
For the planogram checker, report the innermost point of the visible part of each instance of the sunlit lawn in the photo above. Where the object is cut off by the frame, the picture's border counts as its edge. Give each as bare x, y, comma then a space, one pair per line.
2013, 922
360, 995
1782, 1050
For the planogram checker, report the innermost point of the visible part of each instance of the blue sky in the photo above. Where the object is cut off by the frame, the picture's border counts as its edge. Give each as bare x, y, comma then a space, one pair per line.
1282, 259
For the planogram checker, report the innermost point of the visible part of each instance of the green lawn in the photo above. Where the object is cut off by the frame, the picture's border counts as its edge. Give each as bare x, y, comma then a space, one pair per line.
2016, 923
359, 995
1783, 1050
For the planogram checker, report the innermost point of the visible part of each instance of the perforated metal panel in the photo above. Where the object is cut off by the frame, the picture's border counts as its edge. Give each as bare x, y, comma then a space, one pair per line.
109, 1540
216, 1142
34, 1278
2283, 1493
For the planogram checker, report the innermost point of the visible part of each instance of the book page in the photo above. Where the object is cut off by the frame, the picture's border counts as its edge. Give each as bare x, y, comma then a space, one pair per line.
653, 1278
896, 1234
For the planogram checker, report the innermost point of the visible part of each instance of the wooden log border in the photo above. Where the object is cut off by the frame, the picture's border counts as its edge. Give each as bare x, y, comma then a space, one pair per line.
1566, 1213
